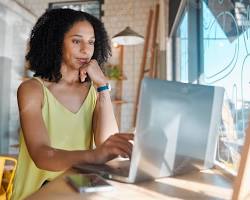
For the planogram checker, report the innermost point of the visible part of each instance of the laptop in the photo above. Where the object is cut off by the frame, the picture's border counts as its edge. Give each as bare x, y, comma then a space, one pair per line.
176, 132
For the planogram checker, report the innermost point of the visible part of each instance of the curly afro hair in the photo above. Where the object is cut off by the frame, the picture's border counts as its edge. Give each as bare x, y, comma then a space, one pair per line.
46, 41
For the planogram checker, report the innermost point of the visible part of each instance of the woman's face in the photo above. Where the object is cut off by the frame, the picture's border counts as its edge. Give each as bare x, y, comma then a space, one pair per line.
78, 45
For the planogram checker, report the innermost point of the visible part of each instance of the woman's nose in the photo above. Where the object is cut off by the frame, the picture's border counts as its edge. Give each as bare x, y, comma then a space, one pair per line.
85, 48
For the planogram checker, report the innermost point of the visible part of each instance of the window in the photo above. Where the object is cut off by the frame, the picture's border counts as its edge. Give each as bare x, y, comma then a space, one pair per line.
90, 6
181, 41
216, 51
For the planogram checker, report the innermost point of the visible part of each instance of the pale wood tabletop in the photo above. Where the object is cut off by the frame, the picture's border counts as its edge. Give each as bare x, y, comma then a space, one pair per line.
207, 184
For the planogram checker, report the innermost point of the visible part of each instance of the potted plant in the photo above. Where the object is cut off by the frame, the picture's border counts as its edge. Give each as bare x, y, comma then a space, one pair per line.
113, 72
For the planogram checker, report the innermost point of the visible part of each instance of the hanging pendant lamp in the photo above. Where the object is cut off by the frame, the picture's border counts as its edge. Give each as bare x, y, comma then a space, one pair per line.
127, 37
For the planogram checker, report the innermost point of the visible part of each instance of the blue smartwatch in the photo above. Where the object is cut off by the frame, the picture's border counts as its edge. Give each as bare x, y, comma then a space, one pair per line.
104, 87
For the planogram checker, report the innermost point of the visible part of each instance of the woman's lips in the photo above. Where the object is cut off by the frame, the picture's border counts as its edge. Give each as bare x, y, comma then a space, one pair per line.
82, 61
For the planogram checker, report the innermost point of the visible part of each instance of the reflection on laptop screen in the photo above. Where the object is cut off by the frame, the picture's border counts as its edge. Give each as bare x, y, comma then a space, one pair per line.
177, 123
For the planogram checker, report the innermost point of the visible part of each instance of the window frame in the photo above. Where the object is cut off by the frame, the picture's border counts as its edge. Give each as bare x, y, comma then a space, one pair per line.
79, 5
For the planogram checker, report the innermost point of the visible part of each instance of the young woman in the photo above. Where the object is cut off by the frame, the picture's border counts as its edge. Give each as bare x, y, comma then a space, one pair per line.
61, 113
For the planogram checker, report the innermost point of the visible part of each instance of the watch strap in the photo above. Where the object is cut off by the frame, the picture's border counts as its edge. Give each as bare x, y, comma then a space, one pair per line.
104, 87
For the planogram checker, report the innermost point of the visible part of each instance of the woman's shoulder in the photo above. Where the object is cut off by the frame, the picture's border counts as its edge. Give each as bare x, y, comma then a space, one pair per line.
30, 87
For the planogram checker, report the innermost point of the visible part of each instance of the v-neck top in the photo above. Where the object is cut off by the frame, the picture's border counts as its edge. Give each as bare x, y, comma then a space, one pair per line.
66, 130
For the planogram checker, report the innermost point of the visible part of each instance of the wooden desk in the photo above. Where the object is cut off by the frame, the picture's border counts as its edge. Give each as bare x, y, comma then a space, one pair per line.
207, 184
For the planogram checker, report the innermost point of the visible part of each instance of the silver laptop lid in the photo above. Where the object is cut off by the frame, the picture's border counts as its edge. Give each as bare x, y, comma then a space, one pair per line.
176, 125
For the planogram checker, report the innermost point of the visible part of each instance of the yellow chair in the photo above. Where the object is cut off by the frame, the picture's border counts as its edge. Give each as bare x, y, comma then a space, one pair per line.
6, 177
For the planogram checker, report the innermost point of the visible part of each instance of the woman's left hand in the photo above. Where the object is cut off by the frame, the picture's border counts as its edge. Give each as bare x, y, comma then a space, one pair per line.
94, 72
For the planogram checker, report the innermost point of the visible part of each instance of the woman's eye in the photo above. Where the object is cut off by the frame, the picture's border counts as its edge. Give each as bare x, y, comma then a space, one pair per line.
76, 41
91, 42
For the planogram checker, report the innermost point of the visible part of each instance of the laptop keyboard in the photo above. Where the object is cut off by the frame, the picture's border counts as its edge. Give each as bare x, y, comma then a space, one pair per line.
120, 168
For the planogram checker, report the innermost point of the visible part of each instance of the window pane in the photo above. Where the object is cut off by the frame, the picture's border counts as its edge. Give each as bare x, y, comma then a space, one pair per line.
226, 63
182, 49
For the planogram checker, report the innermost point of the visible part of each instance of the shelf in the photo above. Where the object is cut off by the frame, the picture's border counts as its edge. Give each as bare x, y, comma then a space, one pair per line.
14, 145
121, 78
118, 101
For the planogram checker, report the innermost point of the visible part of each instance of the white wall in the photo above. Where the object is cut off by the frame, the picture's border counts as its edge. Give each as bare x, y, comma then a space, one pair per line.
16, 24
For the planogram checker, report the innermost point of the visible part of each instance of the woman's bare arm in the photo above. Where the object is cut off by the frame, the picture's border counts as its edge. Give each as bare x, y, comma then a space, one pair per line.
104, 122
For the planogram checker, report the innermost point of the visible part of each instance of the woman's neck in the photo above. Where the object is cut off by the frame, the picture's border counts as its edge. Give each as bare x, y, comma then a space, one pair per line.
69, 76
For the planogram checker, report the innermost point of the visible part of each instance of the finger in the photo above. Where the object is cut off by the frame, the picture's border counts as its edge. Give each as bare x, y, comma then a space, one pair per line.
126, 147
118, 151
129, 143
127, 136
82, 78
83, 75
120, 143
93, 61
121, 140
92, 64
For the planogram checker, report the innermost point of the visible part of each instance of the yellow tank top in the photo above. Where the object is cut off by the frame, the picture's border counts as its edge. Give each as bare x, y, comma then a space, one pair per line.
67, 130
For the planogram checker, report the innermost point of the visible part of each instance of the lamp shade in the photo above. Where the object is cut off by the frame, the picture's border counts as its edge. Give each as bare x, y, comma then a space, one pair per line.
127, 37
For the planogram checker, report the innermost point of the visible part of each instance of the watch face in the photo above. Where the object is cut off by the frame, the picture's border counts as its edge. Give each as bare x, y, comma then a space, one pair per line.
109, 86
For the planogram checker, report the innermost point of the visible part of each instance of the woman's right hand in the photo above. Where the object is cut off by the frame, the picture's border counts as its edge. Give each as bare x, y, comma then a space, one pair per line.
116, 145
93, 70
